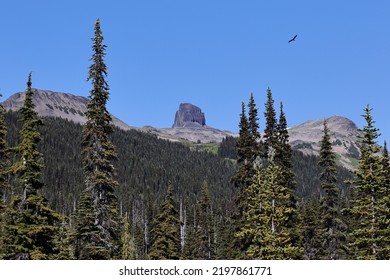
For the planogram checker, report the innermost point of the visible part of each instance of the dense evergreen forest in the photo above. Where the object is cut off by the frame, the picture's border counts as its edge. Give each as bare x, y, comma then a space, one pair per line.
96, 192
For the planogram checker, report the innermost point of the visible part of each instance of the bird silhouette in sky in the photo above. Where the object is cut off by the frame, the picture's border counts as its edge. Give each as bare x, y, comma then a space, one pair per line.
293, 39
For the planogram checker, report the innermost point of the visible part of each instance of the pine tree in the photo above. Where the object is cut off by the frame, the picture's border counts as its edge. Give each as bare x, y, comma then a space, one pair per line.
205, 226
98, 153
311, 229
386, 165
31, 225
245, 156
63, 242
268, 216
191, 241
165, 234
128, 251
283, 159
251, 224
283, 151
332, 226
270, 133
3, 178
253, 125
370, 239
3, 157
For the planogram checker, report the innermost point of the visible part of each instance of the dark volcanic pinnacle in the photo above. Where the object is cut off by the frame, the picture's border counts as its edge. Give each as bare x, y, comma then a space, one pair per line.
189, 115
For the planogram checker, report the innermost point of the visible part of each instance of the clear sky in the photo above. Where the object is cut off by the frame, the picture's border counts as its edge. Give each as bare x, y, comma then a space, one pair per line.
207, 52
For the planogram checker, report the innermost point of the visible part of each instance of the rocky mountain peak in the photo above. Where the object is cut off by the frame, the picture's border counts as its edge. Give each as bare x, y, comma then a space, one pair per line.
307, 136
56, 104
189, 115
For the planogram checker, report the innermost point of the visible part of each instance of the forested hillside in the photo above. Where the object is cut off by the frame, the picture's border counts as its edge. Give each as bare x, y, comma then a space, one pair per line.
99, 193
145, 166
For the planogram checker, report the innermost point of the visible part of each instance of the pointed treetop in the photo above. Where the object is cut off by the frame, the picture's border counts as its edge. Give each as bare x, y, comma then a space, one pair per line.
369, 133
29, 83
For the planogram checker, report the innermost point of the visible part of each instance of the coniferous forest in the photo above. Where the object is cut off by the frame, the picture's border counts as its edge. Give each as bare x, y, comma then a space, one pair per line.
93, 191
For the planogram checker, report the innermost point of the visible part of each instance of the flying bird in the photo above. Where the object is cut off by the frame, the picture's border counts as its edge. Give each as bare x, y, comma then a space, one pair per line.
293, 39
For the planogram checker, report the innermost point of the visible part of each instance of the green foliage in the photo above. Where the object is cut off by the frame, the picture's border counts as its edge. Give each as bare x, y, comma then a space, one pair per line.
30, 225
245, 152
266, 224
270, 131
88, 246
3, 177
333, 229
227, 148
205, 226
311, 229
3, 155
370, 239
128, 251
165, 233
98, 153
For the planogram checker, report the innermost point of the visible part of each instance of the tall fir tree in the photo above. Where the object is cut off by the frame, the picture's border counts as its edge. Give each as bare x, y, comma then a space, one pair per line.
267, 217
31, 225
3, 177
3, 156
247, 153
253, 124
128, 250
283, 151
371, 238
386, 165
333, 229
165, 233
386, 170
98, 154
283, 159
270, 131
245, 156
311, 229
205, 226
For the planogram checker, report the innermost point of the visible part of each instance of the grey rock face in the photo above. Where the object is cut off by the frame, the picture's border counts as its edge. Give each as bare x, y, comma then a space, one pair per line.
57, 104
307, 136
189, 115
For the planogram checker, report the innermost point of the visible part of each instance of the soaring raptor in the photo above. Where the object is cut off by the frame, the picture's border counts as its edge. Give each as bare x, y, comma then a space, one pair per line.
293, 39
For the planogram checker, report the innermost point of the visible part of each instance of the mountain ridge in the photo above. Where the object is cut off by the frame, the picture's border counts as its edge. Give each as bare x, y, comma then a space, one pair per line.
304, 137
57, 104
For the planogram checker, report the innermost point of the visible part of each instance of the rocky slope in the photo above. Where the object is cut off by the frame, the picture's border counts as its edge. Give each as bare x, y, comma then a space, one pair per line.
57, 104
306, 137
190, 124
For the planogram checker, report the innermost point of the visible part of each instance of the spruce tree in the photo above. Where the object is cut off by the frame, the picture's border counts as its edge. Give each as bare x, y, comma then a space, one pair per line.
128, 251
283, 151
165, 233
245, 156
3, 157
205, 226
283, 159
3, 177
270, 133
386, 165
311, 229
332, 227
370, 239
267, 218
98, 154
31, 225
253, 125
63, 242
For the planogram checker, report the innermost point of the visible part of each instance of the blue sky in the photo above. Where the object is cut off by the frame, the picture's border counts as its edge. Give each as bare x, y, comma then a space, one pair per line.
210, 53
